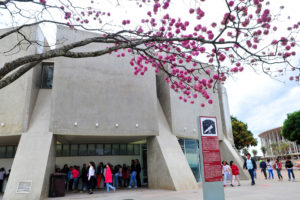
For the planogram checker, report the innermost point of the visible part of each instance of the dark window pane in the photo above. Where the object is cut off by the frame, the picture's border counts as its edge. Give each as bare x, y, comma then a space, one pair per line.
107, 149
58, 150
74, 150
130, 149
47, 75
136, 149
91, 149
65, 150
2, 151
10, 151
115, 149
99, 150
123, 149
83, 150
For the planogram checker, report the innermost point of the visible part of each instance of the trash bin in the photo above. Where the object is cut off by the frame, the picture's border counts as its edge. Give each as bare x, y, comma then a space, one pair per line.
57, 185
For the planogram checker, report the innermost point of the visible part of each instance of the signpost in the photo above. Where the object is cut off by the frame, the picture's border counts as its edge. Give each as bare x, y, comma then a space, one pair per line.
210, 159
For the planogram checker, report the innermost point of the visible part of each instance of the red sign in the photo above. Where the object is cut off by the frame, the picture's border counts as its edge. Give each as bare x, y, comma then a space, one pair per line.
210, 149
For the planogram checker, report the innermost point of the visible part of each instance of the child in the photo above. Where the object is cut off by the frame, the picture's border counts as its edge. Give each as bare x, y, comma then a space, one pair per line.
235, 173
226, 170
270, 168
278, 167
289, 166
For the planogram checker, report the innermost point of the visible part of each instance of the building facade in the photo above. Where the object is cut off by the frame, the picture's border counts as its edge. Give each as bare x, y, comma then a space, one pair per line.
72, 111
273, 141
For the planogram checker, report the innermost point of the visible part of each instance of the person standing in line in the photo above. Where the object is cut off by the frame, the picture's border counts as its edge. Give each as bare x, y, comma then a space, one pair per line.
289, 166
75, 174
91, 177
2, 175
124, 175
263, 167
84, 177
116, 175
100, 169
138, 172
270, 169
65, 170
109, 178
278, 167
226, 171
235, 173
70, 179
128, 175
133, 171
250, 165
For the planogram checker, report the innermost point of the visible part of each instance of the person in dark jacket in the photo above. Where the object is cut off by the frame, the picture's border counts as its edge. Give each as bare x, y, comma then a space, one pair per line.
138, 173
84, 177
289, 166
250, 165
263, 167
133, 171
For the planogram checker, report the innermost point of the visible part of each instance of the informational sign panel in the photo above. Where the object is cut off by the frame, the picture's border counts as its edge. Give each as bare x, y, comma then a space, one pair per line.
24, 187
210, 158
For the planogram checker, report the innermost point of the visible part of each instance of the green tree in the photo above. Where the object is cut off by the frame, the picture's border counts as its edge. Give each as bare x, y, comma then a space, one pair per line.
291, 127
241, 135
264, 150
254, 151
284, 148
275, 149
245, 151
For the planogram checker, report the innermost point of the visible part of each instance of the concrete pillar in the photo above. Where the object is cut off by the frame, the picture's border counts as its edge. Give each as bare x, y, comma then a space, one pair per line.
34, 161
167, 165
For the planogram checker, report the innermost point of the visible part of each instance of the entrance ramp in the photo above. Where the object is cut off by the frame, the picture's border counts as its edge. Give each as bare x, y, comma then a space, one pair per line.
167, 165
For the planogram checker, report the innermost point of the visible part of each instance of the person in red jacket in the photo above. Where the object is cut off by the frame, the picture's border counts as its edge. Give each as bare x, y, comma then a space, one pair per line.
235, 173
108, 178
278, 167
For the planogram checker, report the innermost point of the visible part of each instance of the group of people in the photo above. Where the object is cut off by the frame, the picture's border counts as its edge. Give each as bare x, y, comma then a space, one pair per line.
91, 176
264, 166
233, 168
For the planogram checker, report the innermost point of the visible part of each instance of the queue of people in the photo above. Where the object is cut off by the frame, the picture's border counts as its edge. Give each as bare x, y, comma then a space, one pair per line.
3, 176
92, 176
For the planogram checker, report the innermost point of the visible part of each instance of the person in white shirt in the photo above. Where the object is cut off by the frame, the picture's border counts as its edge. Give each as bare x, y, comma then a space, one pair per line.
91, 177
270, 168
226, 172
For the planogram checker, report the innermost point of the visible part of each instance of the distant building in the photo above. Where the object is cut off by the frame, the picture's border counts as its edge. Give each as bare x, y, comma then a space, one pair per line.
273, 136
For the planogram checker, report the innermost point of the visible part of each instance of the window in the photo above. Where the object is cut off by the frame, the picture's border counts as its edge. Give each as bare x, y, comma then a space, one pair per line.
130, 149
74, 150
123, 150
58, 150
2, 151
107, 149
47, 75
115, 149
10, 151
83, 150
91, 149
99, 150
136, 149
65, 150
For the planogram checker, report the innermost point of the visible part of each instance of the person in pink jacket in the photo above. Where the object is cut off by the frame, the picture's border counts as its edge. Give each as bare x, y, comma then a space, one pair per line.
108, 178
75, 174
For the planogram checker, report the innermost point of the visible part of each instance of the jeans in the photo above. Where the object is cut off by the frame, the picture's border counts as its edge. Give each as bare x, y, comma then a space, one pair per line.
265, 172
108, 185
116, 181
279, 173
271, 173
75, 183
84, 185
289, 173
226, 175
133, 177
99, 177
252, 175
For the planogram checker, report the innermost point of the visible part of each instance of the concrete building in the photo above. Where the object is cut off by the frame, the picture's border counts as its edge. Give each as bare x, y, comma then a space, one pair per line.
72, 111
273, 139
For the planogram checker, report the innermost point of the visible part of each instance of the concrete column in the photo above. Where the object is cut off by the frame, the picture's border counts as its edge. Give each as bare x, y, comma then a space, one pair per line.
34, 161
167, 165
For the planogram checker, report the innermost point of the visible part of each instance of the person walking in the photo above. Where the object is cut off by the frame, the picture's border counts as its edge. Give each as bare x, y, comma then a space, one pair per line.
109, 178
133, 171
263, 167
270, 168
289, 166
278, 167
235, 173
100, 170
250, 165
226, 171
91, 177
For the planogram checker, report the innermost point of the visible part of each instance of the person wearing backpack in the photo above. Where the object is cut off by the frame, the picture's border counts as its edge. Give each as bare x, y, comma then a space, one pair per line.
289, 166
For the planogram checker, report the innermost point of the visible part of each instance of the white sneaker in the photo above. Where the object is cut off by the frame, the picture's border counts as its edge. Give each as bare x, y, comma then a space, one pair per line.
115, 189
